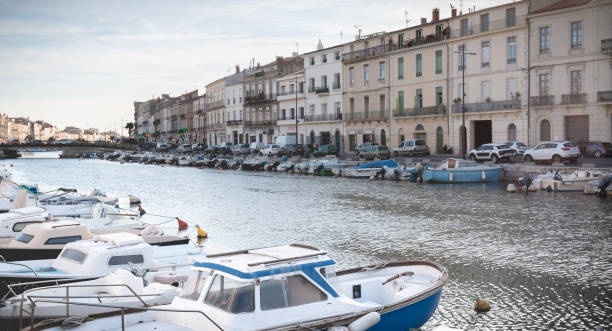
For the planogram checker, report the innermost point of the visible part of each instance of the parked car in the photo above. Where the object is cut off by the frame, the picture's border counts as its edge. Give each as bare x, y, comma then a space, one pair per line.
197, 147
240, 149
555, 151
210, 150
596, 148
184, 148
492, 152
380, 152
411, 147
363, 146
291, 149
324, 150
163, 146
270, 150
224, 148
256, 147
518, 147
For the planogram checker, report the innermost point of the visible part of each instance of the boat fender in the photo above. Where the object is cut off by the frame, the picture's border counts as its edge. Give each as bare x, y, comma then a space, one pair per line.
182, 225
365, 322
482, 305
483, 175
450, 177
511, 188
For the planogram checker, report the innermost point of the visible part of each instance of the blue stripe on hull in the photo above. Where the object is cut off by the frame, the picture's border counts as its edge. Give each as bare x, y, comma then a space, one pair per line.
475, 176
409, 317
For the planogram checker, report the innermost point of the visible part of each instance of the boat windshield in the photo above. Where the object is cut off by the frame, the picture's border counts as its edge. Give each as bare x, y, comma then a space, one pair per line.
231, 295
74, 255
193, 287
288, 291
24, 238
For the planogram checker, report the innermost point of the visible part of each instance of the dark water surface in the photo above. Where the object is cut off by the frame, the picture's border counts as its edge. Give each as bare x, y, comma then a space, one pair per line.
543, 260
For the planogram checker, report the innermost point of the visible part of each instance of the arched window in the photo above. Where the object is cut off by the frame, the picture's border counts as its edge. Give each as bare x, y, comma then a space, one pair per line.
544, 130
419, 127
512, 132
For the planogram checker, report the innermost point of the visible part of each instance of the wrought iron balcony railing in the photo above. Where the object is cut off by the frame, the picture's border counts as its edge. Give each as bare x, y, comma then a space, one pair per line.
260, 123
573, 99
234, 122
378, 115
322, 90
424, 111
543, 100
323, 117
604, 96
478, 107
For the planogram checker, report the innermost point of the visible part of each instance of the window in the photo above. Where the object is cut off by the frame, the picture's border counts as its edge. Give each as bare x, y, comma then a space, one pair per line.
74, 255
311, 109
324, 58
544, 81
366, 104
352, 76
484, 22
381, 103
352, 105
485, 54
400, 100
419, 65
366, 74
283, 114
62, 240
462, 92
24, 238
464, 27
511, 49
461, 57
400, 68
576, 82
544, 130
194, 285
291, 88
282, 90
337, 107
511, 88
312, 61
419, 34
418, 98
18, 227
485, 90
311, 85
352, 48
231, 295
576, 34
544, 39
323, 108
125, 259
438, 55
511, 16
381, 70
439, 29
324, 81
301, 87
337, 55
337, 80
439, 95
512, 132
301, 112
288, 291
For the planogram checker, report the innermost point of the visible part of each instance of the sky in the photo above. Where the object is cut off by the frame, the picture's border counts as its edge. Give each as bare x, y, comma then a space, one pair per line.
83, 63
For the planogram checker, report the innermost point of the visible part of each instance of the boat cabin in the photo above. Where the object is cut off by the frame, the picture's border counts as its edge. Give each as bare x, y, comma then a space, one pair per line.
265, 288
459, 164
14, 221
52, 234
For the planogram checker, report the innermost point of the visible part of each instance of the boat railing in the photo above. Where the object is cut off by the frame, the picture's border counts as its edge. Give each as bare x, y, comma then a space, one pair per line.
19, 264
122, 310
11, 292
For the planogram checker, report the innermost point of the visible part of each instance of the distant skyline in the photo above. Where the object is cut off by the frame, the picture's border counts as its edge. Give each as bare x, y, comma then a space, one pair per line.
84, 63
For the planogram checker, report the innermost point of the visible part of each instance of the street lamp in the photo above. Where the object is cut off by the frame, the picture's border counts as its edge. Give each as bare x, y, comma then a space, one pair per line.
464, 131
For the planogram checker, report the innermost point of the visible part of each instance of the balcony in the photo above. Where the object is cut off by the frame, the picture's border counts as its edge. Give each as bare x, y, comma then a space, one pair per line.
234, 122
479, 107
260, 123
424, 111
431, 38
259, 98
322, 91
379, 115
323, 117
491, 26
199, 111
573, 99
366, 53
606, 45
214, 126
604, 96
215, 104
542, 100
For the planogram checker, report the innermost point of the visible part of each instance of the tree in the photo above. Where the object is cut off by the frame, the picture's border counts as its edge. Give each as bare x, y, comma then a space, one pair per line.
130, 127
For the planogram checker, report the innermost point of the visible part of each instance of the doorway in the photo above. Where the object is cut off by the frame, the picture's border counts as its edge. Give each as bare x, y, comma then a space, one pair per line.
483, 132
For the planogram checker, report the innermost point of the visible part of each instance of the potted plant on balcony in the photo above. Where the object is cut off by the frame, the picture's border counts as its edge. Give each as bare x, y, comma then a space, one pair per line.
488, 99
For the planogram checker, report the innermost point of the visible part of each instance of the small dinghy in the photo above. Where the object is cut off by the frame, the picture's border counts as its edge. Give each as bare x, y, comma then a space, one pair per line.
462, 171
370, 169
575, 181
292, 287
256, 164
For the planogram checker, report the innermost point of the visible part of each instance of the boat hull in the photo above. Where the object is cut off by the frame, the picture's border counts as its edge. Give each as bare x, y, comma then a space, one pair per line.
40, 155
462, 176
408, 317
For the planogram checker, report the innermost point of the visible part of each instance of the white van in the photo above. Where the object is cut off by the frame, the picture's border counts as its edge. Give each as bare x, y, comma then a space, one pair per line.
285, 140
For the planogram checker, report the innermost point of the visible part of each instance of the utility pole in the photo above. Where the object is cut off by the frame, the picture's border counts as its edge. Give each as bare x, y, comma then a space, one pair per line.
464, 129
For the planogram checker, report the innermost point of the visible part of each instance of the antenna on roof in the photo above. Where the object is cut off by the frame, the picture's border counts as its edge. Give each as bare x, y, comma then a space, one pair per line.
357, 27
297, 51
406, 15
460, 7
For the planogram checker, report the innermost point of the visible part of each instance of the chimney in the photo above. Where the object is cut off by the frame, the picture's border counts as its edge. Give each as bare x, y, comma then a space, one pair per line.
423, 20
237, 68
454, 12
435, 15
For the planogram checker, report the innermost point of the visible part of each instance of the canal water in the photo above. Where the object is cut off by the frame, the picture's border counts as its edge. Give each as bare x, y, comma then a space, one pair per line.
543, 260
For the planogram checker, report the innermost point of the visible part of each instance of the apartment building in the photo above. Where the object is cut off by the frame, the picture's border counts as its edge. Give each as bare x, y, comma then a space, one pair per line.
365, 96
234, 93
488, 53
323, 71
198, 132
260, 104
571, 71
291, 103
215, 112
418, 82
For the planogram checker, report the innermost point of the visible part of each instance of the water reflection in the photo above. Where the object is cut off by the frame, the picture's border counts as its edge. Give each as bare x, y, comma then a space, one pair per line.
543, 260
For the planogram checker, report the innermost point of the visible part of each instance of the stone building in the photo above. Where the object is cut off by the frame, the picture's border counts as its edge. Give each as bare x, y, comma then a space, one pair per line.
291, 103
215, 112
234, 93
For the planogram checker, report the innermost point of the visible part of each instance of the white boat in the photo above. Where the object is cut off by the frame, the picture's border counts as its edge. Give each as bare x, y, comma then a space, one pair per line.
576, 181
39, 153
291, 287
185, 161
121, 288
99, 256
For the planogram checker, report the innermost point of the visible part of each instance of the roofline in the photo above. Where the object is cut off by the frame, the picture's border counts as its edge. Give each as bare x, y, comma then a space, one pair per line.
324, 49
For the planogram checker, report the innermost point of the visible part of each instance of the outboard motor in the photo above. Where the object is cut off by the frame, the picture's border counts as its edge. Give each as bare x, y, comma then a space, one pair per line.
526, 181
604, 182
557, 176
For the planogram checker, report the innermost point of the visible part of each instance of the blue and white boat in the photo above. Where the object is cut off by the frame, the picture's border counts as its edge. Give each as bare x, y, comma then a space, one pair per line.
292, 287
462, 171
370, 169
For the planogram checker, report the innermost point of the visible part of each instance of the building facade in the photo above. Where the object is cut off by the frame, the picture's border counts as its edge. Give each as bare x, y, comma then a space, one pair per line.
215, 112
234, 94
291, 103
